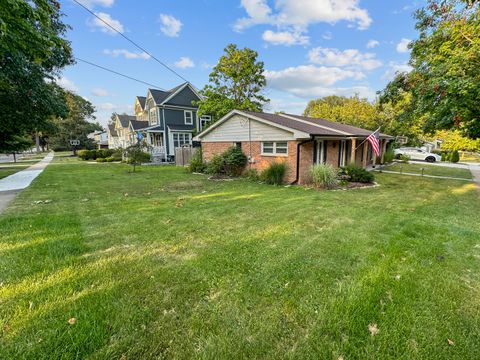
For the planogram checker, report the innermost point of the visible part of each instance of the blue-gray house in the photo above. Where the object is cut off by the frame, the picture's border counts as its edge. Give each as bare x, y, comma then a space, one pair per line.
170, 119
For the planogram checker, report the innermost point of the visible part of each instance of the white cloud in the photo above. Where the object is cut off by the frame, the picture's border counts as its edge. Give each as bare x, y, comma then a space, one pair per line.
327, 35
92, 3
66, 84
346, 58
302, 13
285, 38
106, 106
170, 25
288, 105
126, 54
394, 68
100, 92
184, 63
308, 76
402, 46
96, 23
372, 44
309, 81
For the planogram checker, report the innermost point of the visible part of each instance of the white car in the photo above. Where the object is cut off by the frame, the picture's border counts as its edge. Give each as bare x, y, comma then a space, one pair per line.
417, 154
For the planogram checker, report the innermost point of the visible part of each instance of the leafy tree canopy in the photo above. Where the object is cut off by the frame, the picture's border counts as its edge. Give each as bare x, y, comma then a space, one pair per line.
32, 52
236, 82
75, 125
445, 79
346, 110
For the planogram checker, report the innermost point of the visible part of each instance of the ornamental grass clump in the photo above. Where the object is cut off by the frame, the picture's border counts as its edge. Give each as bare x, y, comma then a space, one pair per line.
274, 174
324, 176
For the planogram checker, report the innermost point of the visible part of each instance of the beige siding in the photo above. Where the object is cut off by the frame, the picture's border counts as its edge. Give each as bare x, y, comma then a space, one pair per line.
236, 129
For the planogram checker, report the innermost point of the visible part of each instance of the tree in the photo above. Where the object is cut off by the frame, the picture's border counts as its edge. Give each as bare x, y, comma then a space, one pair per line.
445, 79
346, 110
32, 52
75, 125
16, 145
236, 82
137, 154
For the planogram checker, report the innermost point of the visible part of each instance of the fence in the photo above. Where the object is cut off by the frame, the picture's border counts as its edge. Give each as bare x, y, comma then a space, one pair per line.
183, 155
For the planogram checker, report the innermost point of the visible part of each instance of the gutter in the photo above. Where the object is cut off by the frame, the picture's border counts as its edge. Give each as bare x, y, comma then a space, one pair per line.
298, 159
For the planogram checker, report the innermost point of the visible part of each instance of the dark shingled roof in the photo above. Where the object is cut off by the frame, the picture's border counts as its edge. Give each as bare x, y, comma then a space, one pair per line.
141, 100
313, 126
137, 124
293, 124
125, 120
159, 95
111, 129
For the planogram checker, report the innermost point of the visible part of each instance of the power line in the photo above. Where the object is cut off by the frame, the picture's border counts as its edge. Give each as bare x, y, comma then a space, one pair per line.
131, 41
117, 73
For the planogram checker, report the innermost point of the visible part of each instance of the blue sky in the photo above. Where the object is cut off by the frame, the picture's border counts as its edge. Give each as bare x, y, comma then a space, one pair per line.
311, 48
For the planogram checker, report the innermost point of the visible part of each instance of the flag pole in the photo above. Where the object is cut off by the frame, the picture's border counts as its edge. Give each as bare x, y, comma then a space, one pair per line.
366, 139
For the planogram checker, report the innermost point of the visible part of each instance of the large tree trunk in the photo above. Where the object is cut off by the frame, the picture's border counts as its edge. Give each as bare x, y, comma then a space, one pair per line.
37, 141
14, 157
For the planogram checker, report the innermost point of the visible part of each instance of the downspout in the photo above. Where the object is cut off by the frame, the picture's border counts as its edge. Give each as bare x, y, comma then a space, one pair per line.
164, 134
298, 160
250, 144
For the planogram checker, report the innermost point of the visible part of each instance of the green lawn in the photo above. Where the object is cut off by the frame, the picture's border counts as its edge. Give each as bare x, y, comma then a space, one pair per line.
7, 170
165, 264
430, 170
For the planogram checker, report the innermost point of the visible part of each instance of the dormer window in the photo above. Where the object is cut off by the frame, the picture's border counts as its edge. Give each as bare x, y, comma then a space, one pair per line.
188, 115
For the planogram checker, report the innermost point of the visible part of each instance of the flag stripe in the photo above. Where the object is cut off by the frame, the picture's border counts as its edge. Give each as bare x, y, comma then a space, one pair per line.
373, 140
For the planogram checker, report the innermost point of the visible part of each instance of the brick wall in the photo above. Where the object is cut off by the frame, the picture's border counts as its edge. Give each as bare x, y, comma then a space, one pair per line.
253, 150
306, 161
260, 162
212, 148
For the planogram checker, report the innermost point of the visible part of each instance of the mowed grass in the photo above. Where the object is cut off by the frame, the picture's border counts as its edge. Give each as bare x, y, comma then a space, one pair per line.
435, 170
9, 170
165, 264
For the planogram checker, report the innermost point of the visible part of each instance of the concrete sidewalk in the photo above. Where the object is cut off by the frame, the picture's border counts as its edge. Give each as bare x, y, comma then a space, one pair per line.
14, 183
475, 170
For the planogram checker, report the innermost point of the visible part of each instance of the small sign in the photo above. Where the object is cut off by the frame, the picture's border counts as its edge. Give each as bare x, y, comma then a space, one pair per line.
74, 142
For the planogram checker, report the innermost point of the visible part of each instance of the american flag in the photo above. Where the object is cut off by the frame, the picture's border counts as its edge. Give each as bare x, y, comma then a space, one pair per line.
373, 140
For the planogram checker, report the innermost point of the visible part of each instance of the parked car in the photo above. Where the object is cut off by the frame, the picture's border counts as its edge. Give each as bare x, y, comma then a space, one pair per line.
417, 154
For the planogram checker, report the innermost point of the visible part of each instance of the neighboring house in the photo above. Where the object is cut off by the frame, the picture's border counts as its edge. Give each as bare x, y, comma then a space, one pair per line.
113, 140
297, 140
122, 127
100, 137
166, 119
429, 146
172, 119
139, 108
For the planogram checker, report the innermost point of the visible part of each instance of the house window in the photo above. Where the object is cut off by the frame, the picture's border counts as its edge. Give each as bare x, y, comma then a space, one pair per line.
204, 121
153, 116
180, 139
188, 117
275, 148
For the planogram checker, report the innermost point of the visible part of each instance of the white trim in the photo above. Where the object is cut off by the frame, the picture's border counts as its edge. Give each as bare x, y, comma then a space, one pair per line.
178, 107
274, 148
185, 117
316, 125
320, 152
171, 150
296, 133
